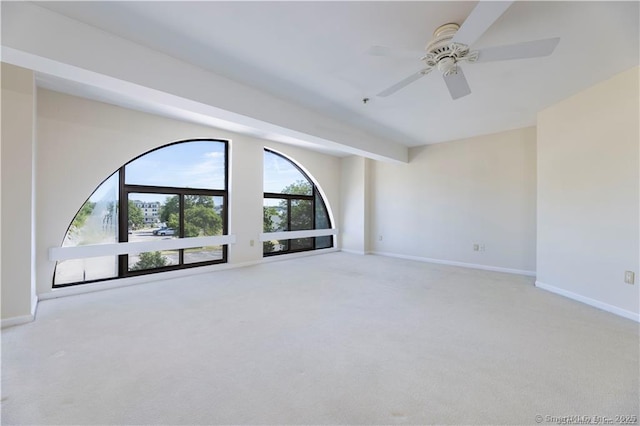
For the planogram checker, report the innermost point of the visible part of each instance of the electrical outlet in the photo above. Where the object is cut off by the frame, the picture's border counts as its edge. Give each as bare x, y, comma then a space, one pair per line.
476, 247
251, 242
379, 237
629, 277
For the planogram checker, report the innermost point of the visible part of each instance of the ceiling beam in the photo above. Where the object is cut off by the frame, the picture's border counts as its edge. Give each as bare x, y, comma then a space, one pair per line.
49, 43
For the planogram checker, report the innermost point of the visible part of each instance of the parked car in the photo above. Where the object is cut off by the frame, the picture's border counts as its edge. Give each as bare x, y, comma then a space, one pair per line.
164, 231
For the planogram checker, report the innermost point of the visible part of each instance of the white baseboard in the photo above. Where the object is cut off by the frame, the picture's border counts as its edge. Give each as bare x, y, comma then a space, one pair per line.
34, 305
23, 319
10, 322
362, 252
461, 264
591, 302
297, 255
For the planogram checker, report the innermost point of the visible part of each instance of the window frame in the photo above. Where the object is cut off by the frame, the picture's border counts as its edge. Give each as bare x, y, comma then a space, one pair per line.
124, 189
289, 197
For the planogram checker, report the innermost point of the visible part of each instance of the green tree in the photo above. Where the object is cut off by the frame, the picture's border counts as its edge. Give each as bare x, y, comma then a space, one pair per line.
200, 215
301, 213
171, 206
136, 216
201, 221
83, 214
268, 213
149, 260
299, 187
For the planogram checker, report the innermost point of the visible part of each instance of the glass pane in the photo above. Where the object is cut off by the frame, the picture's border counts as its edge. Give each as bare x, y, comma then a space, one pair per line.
324, 242
322, 218
143, 214
301, 215
202, 216
274, 246
95, 223
202, 254
152, 216
80, 270
274, 215
153, 259
274, 219
198, 164
301, 219
163, 212
301, 244
281, 176
97, 220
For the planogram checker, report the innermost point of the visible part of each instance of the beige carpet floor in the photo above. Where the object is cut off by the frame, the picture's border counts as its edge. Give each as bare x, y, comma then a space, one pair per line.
329, 339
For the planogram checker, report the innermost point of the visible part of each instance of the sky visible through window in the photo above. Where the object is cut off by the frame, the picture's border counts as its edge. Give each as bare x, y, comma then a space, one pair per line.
198, 164
279, 173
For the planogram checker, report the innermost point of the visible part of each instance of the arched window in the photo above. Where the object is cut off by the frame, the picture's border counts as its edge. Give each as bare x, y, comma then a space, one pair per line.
292, 202
176, 191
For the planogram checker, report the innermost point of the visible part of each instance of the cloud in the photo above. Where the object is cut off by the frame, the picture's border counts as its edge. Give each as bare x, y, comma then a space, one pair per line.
213, 154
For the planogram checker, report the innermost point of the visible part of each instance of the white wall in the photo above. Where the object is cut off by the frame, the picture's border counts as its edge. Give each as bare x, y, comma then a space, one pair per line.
81, 142
18, 114
588, 193
454, 194
354, 202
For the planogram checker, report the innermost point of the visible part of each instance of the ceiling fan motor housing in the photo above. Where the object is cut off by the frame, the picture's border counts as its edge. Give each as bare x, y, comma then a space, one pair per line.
444, 54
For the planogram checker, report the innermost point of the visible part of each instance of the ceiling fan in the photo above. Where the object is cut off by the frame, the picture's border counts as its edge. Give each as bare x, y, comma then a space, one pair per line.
450, 46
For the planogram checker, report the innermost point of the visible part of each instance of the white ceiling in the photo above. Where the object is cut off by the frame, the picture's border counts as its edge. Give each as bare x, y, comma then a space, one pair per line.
314, 54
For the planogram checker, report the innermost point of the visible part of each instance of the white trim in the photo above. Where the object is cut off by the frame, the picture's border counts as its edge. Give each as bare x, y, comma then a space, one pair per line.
287, 235
286, 256
34, 305
462, 264
23, 319
591, 302
361, 252
96, 250
10, 322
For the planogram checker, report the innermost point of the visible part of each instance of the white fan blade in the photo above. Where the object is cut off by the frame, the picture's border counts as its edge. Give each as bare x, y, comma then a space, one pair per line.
481, 18
528, 49
395, 53
457, 84
399, 85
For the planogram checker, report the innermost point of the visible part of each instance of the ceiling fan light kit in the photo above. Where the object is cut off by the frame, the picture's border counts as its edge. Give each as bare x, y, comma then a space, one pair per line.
450, 46
444, 54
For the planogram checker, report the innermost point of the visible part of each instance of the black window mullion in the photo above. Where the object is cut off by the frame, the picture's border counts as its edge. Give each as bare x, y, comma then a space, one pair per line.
287, 196
174, 190
313, 216
123, 223
288, 222
225, 225
181, 199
